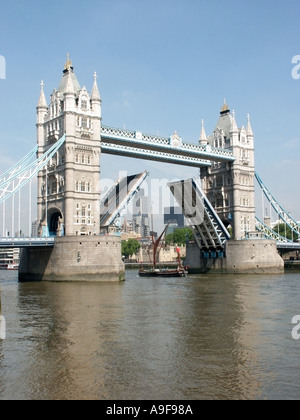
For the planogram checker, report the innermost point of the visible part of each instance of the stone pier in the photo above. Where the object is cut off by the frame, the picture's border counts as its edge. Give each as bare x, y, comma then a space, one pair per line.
74, 258
253, 256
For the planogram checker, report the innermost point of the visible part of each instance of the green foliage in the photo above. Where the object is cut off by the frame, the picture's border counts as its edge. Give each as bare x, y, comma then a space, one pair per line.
285, 231
180, 236
130, 247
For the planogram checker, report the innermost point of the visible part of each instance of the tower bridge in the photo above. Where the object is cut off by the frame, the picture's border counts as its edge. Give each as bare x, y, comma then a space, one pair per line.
66, 163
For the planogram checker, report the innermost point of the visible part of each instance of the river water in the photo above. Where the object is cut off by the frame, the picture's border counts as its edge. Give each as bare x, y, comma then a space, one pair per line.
200, 337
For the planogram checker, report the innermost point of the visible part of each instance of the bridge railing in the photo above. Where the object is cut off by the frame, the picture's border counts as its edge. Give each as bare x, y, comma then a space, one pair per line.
25, 242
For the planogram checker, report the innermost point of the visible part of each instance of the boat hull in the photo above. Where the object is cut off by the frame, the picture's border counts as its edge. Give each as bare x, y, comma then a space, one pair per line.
163, 273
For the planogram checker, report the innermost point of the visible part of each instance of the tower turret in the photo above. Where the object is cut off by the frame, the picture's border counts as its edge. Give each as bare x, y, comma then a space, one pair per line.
42, 110
203, 137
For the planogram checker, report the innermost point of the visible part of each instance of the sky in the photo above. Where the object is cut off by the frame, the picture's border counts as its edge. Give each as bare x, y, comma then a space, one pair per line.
162, 65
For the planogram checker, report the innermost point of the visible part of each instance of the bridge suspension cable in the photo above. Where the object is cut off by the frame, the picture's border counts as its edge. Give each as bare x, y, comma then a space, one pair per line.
280, 211
23, 162
22, 172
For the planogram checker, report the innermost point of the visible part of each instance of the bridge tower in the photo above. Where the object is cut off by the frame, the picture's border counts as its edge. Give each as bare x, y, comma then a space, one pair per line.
68, 189
230, 186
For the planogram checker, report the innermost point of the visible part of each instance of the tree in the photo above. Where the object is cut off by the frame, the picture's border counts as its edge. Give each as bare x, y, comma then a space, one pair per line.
285, 231
180, 236
130, 247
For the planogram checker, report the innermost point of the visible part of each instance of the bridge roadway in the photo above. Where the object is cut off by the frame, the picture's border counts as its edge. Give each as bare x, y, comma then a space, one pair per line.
49, 242
170, 150
26, 242
288, 246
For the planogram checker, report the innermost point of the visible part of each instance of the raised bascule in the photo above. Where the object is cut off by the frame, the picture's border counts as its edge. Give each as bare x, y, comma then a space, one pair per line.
75, 239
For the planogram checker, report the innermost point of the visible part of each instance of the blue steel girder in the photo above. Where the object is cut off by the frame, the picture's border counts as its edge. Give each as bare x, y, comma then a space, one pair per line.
20, 174
172, 149
283, 214
270, 233
26, 242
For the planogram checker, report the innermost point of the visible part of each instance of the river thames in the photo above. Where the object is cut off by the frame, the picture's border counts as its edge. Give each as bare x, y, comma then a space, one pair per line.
194, 338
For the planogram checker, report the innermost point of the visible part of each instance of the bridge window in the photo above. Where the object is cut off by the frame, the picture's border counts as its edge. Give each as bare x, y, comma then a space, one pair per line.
61, 185
219, 181
84, 104
84, 122
245, 224
245, 201
219, 200
82, 186
54, 187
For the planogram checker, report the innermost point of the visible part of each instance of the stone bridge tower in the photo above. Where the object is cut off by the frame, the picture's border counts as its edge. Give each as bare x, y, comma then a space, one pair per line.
230, 187
68, 189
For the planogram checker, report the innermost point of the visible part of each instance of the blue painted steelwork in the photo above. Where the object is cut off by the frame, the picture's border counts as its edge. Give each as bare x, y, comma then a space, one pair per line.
26, 242
21, 173
284, 215
118, 197
270, 233
21, 164
209, 231
172, 149
288, 246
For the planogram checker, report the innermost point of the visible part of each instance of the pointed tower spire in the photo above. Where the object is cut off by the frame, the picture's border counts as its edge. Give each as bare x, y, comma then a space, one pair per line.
203, 138
249, 128
95, 95
234, 127
42, 103
69, 85
69, 64
225, 108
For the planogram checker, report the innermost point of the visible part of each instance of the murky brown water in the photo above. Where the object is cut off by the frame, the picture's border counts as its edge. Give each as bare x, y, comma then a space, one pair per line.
206, 337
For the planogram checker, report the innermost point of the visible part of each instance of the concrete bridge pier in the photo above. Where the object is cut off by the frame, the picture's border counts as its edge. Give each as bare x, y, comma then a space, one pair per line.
74, 258
251, 256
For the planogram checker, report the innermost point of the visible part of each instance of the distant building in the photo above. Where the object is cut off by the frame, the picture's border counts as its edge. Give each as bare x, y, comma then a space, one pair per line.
174, 216
141, 220
9, 258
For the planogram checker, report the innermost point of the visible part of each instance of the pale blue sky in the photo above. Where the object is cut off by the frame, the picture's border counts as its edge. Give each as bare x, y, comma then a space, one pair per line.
162, 66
